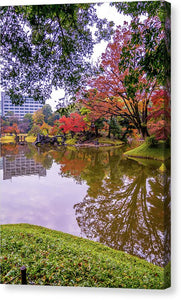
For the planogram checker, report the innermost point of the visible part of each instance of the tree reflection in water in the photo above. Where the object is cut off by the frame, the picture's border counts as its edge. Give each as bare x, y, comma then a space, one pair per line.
127, 205
128, 210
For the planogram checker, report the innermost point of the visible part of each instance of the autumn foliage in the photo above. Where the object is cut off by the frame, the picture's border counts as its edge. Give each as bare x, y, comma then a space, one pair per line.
121, 87
160, 115
74, 123
12, 129
119, 98
45, 128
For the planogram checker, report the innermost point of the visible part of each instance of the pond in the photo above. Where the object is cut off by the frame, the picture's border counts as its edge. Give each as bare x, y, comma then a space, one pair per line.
95, 193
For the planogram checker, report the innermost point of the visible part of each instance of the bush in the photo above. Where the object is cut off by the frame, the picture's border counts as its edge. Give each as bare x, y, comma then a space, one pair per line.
151, 141
35, 130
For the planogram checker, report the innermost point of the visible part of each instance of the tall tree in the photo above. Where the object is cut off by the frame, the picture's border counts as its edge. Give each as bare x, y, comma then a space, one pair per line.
160, 115
122, 88
47, 111
46, 46
54, 117
29, 120
38, 117
157, 59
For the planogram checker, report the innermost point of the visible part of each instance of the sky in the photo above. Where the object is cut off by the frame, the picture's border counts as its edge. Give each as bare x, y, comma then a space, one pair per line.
103, 11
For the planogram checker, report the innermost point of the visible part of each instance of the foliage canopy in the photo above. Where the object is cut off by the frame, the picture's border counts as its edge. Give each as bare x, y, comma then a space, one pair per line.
46, 46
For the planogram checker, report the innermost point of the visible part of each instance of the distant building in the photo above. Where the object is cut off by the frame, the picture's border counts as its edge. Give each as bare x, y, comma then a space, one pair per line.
29, 106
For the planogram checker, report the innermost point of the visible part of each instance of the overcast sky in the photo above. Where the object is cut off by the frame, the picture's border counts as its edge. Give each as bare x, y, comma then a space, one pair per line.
103, 11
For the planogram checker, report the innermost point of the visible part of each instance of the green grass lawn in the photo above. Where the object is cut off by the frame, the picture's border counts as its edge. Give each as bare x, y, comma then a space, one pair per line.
30, 139
55, 258
11, 139
7, 139
160, 151
69, 141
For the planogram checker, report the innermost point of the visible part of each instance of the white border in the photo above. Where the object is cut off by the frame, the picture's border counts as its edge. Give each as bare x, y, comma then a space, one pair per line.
43, 292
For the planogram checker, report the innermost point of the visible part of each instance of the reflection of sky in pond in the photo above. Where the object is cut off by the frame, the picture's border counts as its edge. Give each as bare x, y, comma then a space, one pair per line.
93, 193
46, 201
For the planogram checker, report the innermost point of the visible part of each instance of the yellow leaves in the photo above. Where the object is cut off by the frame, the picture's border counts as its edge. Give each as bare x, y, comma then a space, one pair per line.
141, 105
38, 117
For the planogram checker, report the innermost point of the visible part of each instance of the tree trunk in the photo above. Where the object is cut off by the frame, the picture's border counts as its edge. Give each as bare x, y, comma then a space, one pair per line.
96, 131
72, 134
109, 132
144, 132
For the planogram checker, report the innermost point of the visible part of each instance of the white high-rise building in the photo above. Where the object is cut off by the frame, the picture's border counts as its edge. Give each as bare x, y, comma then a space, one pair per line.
29, 106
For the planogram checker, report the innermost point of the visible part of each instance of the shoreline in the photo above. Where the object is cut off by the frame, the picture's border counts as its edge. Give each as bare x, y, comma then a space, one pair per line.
146, 157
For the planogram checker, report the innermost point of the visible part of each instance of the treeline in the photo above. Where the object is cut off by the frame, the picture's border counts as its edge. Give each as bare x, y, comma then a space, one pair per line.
10, 123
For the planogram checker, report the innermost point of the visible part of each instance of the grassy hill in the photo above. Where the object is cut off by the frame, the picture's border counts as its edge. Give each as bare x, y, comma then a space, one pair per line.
55, 258
160, 151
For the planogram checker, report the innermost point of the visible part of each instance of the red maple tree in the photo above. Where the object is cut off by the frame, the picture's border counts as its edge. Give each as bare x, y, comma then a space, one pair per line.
74, 123
121, 88
160, 115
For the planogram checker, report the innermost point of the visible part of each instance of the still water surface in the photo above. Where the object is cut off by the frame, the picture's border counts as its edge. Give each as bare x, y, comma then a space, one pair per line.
95, 193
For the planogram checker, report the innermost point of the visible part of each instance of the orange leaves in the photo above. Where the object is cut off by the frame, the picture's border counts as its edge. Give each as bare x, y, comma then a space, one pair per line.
161, 101
74, 123
12, 129
74, 166
122, 87
161, 129
160, 115
118, 90
9, 149
54, 130
45, 128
